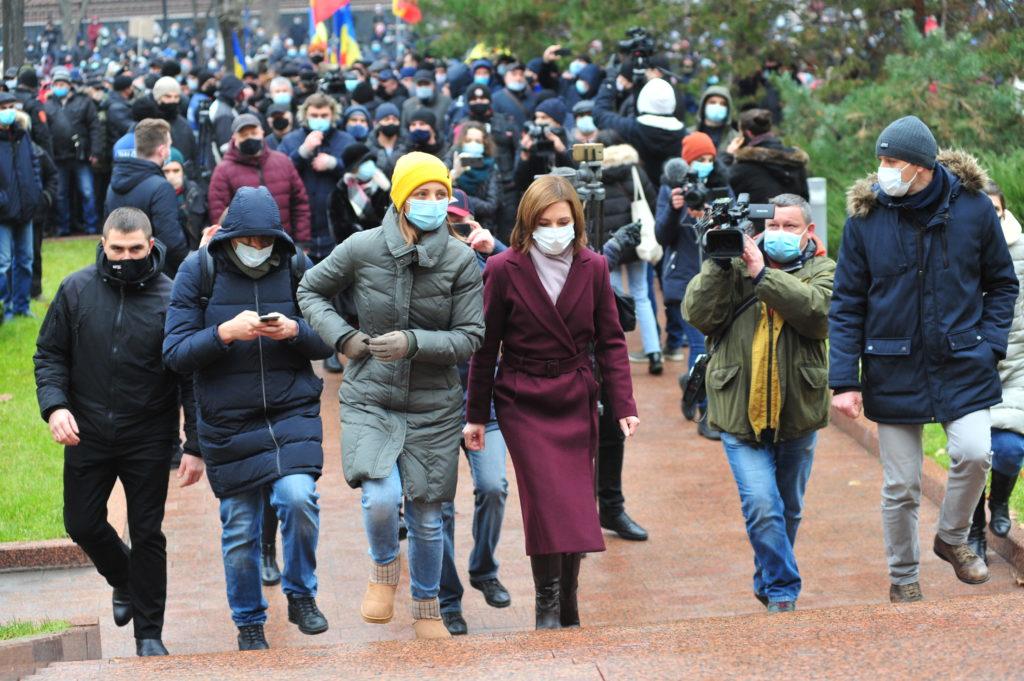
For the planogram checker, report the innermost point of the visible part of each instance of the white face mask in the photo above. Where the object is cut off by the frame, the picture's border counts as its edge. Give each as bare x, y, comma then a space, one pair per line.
554, 240
891, 181
253, 257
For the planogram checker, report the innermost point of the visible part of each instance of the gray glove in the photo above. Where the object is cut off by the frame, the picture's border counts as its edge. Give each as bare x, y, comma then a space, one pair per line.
355, 347
393, 346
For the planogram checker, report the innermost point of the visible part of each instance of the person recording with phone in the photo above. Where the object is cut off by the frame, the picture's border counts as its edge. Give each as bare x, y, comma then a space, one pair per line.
474, 171
544, 144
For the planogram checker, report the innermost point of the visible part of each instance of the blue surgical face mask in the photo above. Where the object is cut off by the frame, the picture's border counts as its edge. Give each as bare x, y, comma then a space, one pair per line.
585, 124
351, 84
703, 168
424, 92
474, 149
582, 86
716, 113
357, 130
782, 246
575, 68
516, 85
367, 169
427, 215
7, 117
284, 98
60, 92
419, 136
292, 52
502, 69
319, 124
482, 80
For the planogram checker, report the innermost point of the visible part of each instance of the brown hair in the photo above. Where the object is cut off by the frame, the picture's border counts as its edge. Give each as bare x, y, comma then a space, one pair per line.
474, 125
319, 100
539, 196
756, 121
992, 189
127, 220
150, 133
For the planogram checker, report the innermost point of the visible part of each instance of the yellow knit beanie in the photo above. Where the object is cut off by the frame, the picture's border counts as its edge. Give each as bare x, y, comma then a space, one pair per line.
414, 169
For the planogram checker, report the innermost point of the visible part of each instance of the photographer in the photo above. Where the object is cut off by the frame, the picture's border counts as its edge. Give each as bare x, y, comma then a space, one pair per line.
544, 144
766, 314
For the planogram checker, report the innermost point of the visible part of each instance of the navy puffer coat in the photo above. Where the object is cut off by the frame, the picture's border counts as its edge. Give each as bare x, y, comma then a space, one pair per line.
258, 401
922, 307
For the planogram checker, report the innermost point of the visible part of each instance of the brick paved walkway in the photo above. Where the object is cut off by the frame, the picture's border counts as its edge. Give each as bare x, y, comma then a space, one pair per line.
697, 564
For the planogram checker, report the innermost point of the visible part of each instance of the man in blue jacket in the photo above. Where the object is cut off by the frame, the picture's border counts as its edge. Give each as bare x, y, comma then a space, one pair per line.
20, 192
921, 310
233, 323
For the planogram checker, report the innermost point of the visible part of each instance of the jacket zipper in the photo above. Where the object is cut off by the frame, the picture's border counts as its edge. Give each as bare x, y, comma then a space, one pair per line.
920, 289
263, 385
113, 353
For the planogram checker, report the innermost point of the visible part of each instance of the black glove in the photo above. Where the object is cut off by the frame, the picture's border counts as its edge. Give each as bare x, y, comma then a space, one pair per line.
627, 236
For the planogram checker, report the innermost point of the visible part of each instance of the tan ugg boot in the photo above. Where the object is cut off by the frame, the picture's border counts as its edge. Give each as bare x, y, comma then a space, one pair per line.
379, 602
427, 620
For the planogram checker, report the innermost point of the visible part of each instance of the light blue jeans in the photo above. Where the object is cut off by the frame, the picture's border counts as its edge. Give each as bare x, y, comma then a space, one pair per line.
636, 275
771, 480
490, 489
16, 265
381, 501
295, 498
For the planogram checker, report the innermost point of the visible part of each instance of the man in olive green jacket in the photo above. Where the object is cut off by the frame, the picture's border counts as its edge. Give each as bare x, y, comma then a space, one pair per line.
767, 380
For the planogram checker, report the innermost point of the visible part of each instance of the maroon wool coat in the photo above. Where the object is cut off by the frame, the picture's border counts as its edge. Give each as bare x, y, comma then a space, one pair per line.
550, 422
271, 169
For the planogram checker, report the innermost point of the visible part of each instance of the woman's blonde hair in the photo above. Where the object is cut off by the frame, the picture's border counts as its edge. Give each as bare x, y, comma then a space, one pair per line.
539, 196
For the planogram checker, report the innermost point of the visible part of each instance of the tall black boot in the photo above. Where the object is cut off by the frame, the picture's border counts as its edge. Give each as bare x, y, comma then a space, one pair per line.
976, 535
547, 569
999, 503
568, 587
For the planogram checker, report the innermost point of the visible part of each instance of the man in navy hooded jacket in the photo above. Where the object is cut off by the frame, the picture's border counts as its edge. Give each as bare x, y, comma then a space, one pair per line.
258, 403
921, 310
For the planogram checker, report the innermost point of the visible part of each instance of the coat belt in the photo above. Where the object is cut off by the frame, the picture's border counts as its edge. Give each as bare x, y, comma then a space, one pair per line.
547, 368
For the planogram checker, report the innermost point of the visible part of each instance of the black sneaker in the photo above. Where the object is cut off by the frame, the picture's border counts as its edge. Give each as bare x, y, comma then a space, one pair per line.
494, 592
250, 637
302, 611
454, 623
705, 430
655, 365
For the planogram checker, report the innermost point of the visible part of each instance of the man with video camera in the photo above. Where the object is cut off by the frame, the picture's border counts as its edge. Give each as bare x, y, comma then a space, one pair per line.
766, 317
544, 144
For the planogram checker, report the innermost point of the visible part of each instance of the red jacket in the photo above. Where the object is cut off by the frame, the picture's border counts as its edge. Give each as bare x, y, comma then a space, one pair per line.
271, 169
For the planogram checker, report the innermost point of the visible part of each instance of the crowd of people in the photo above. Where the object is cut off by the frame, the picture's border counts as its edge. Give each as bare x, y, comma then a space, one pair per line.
412, 224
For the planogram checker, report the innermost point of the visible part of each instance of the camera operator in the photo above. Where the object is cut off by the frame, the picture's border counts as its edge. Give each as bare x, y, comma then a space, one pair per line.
543, 144
766, 314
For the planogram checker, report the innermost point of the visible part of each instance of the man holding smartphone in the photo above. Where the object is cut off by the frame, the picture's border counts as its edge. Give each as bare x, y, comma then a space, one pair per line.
249, 349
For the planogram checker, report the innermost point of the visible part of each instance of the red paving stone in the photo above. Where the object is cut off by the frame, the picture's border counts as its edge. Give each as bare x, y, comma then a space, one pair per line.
697, 564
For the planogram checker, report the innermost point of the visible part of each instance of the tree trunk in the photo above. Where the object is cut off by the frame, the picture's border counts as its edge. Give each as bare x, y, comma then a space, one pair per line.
68, 30
228, 18
13, 32
270, 16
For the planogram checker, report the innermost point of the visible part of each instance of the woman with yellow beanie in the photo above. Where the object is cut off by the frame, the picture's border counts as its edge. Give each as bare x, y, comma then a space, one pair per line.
418, 293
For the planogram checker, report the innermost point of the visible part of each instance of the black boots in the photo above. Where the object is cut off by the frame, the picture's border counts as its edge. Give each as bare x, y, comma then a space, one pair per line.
547, 570
621, 524
251, 637
302, 611
569, 614
122, 603
654, 364
976, 535
150, 647
269, 574
999, 503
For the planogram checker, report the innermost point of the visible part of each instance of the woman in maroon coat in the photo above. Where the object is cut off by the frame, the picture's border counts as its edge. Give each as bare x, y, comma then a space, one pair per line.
548, 305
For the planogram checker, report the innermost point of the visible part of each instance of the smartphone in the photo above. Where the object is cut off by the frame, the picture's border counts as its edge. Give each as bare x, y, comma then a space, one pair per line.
471, 161
270, 318
563, 52
463, 229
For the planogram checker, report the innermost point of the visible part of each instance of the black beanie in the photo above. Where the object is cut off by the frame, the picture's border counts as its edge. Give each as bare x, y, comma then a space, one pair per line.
426, 116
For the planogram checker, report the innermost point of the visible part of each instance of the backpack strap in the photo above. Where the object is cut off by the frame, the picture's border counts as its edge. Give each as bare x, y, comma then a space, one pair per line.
207, 273
297, 265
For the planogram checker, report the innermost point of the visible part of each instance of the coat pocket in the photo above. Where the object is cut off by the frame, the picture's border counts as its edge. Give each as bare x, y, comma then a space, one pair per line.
887, 347
806, 408
719, 378
727, 399
888, 367
964, 340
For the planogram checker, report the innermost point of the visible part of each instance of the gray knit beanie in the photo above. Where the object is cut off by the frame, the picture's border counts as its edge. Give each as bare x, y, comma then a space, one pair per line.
908, 139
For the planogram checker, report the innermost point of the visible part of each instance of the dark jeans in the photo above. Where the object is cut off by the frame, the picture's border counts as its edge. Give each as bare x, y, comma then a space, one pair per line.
610, 451
75, 175
269, 517
144, 470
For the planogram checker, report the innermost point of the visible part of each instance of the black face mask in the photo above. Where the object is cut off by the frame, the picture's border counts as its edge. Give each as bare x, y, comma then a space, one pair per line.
210, 90
480, 111
390, 130
127, 271
279, 123
251, 146
168, 110
317, 58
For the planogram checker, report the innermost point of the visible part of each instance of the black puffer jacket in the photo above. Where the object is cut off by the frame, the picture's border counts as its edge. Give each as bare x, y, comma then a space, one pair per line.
76, 115
768, 168
619, 160
99, 354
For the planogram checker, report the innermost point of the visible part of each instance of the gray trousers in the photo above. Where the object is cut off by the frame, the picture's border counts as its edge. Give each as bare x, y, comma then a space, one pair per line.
970, 454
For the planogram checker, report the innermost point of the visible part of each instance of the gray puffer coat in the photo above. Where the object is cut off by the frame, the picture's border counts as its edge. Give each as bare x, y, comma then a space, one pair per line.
409, 410
1009, 414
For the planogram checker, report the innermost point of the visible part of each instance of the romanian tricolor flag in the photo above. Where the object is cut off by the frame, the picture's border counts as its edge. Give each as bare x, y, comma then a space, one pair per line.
348, 50
239, 53
407, 10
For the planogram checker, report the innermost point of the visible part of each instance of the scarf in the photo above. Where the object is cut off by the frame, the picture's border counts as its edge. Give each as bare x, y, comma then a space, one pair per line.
471, 178
359, 193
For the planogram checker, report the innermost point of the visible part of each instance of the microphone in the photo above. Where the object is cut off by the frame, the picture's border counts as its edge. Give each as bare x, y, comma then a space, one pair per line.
674, 172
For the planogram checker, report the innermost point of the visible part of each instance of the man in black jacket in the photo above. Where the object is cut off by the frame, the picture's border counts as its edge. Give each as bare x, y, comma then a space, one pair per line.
27, 91
108, 398
140, 183
119, 109
77, 143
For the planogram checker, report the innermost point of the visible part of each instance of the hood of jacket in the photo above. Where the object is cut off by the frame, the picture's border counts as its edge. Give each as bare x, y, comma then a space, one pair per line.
620, 155
772, 150
229, 88
253, 212
129, 173
591, 73
862, 197
713, 90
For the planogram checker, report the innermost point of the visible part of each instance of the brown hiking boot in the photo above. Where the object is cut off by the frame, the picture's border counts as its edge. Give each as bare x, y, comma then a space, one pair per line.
969, 568
905, 593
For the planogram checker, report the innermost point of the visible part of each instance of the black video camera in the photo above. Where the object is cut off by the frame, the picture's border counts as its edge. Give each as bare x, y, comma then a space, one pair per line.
695, 192
721, 230
639, 43
332, 84
539, 134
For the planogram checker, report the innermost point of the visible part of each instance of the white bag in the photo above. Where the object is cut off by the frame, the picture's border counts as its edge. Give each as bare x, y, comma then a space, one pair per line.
649, 249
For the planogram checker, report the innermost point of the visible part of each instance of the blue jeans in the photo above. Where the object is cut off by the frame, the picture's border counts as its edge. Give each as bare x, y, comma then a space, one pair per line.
636, 274
79, 173
381, 500
16, 266
1007, 452
771, 480
294, 497
490, 489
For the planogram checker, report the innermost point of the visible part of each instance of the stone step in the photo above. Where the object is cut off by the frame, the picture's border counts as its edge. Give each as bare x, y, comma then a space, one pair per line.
956, 638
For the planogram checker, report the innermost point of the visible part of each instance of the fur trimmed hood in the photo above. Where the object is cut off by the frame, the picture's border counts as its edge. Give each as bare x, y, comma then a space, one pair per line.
790, 156
620, 155
862, 197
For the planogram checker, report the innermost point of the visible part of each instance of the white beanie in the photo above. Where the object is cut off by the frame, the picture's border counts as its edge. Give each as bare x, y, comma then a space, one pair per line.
657, 97
165, 86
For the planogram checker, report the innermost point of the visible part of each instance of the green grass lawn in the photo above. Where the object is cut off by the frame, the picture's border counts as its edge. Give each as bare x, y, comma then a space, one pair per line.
31, 463
17, 629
